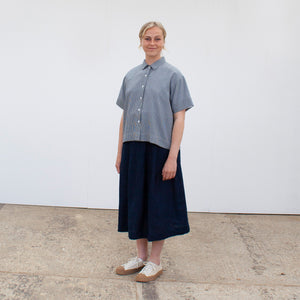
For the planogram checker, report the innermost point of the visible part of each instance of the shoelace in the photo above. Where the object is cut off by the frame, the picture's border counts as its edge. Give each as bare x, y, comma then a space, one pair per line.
149, 267
132, 260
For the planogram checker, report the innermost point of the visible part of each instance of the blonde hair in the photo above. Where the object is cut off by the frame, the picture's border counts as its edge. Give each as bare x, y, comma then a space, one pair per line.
149, 25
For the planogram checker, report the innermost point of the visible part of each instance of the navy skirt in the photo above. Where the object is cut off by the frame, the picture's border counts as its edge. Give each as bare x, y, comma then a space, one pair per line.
148, 206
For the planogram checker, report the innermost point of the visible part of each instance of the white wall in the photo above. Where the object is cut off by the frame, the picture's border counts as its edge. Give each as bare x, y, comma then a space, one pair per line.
61, 67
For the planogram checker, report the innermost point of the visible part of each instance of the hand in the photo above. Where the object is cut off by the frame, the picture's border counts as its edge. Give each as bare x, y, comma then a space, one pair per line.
169, 169
118, 163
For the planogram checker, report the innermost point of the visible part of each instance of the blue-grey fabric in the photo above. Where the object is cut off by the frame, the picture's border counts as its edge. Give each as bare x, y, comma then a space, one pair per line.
149, 96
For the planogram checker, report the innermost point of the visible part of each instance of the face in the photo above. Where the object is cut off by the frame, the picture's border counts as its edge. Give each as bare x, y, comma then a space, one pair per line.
153, 42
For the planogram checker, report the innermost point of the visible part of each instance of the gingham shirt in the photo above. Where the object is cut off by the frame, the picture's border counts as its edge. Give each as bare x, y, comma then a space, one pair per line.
149, 96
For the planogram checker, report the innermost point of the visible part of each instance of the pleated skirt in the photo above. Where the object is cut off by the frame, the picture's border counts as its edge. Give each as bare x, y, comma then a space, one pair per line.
148, 206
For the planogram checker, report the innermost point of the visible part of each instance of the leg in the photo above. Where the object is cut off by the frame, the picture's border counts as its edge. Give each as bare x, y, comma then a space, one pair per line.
156, 251
142, 248
153, 267
135, 265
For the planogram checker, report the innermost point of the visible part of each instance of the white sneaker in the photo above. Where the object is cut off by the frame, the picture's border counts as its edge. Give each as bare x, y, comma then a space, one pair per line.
133, 265
150, 272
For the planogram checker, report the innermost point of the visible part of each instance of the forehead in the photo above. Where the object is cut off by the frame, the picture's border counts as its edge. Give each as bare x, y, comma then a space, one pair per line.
153, 31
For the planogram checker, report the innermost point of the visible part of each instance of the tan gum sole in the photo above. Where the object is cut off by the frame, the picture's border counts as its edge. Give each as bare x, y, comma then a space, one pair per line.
121, 271
144, 278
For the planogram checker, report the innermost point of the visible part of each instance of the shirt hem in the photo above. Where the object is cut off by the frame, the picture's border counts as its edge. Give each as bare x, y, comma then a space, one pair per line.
153, 141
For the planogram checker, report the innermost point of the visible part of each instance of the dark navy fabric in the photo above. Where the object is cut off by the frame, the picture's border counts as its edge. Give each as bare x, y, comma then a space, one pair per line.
148, 206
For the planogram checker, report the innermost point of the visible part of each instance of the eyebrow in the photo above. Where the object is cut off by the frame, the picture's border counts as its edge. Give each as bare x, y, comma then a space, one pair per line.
154, 36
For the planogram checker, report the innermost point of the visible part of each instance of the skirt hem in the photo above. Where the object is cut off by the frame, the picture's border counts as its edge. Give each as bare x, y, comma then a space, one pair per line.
137, 236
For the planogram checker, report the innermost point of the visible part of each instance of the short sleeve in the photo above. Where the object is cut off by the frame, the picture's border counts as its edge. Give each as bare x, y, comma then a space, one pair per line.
121, 98
180, 95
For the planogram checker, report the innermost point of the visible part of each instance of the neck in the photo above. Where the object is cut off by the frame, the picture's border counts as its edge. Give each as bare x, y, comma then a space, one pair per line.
151, 60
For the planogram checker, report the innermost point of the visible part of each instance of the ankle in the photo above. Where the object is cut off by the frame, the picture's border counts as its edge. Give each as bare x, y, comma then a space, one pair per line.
143, 257
155, 260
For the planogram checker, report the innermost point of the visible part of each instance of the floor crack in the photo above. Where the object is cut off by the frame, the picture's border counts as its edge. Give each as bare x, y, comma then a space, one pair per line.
251, 246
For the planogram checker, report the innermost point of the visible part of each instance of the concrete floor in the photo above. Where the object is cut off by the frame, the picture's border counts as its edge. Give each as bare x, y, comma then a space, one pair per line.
70, 253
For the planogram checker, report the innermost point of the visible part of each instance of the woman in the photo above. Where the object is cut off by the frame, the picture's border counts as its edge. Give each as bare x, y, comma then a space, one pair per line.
152, 207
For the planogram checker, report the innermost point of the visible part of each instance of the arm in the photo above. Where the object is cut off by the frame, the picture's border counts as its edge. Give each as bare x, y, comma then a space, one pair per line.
170, 167
120, 144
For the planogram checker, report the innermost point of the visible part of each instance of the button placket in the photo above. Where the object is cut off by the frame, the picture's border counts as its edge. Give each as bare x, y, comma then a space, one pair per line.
141, 99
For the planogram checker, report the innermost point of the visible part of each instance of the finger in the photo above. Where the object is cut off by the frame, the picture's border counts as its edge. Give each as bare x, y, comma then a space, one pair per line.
168, 177
171, 175
164, 176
